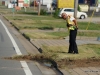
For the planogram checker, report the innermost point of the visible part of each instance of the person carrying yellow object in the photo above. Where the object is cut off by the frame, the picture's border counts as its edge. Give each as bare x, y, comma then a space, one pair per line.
72, 26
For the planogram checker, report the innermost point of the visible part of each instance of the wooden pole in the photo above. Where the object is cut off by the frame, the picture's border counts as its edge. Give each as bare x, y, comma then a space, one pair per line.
39, 7
34, 4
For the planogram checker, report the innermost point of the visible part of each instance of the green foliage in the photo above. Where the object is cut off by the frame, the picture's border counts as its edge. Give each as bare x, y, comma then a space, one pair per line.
79, 9
56, 13
46, 28
43, 12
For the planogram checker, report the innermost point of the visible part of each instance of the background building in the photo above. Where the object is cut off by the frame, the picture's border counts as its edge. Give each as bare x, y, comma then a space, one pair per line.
89, 2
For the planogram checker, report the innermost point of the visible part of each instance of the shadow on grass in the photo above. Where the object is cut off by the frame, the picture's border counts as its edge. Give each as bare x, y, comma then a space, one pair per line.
28, 13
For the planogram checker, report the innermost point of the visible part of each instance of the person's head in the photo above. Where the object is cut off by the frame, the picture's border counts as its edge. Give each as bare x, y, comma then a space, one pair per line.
64, 16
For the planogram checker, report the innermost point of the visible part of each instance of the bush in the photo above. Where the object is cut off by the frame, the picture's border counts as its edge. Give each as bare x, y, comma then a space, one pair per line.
46, 28
79, 9
43, 12
56, 13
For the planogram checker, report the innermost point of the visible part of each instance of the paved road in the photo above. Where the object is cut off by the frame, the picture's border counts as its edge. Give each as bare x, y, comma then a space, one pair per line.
10, 46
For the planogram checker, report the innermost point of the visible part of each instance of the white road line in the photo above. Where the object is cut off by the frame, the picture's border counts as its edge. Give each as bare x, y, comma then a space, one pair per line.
23, 63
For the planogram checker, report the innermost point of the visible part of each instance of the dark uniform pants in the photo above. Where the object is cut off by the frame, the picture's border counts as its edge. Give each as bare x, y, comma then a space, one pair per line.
72, 41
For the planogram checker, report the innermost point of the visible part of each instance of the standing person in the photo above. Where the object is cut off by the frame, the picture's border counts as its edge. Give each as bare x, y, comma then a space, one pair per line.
72, 27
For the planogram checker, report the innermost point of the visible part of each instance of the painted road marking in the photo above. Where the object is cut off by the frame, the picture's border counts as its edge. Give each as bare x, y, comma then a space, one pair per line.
23, 63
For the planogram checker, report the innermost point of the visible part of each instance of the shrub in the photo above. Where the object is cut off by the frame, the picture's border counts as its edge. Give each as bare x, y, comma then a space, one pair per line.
46, 28
56, 13
79, 9
43, 12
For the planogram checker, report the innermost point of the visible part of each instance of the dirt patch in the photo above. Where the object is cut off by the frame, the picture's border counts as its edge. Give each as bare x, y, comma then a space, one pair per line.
63, 63
90, 62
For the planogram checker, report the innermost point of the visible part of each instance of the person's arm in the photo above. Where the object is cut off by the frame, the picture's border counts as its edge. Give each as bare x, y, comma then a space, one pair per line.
75, 22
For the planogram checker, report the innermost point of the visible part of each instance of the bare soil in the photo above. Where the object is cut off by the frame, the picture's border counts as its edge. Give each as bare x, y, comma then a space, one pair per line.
69, 63
90, 62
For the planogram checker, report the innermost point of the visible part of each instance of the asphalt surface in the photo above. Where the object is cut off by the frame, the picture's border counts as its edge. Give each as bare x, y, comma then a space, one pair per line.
8, 67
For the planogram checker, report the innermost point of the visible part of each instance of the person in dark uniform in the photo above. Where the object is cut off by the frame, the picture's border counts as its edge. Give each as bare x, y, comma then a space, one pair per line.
72, 27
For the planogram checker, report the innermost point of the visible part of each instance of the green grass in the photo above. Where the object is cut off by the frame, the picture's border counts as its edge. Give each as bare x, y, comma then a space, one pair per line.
46, 35
58, 34
92, 26
85, 51
47, 22
96, 48
37, 22
89, 34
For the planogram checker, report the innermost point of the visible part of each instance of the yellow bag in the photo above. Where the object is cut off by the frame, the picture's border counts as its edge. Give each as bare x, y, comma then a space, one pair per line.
71, 28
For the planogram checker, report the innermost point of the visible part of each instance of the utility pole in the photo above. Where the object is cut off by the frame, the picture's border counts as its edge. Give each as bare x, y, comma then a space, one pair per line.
34, 4
39, 8
75, 8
